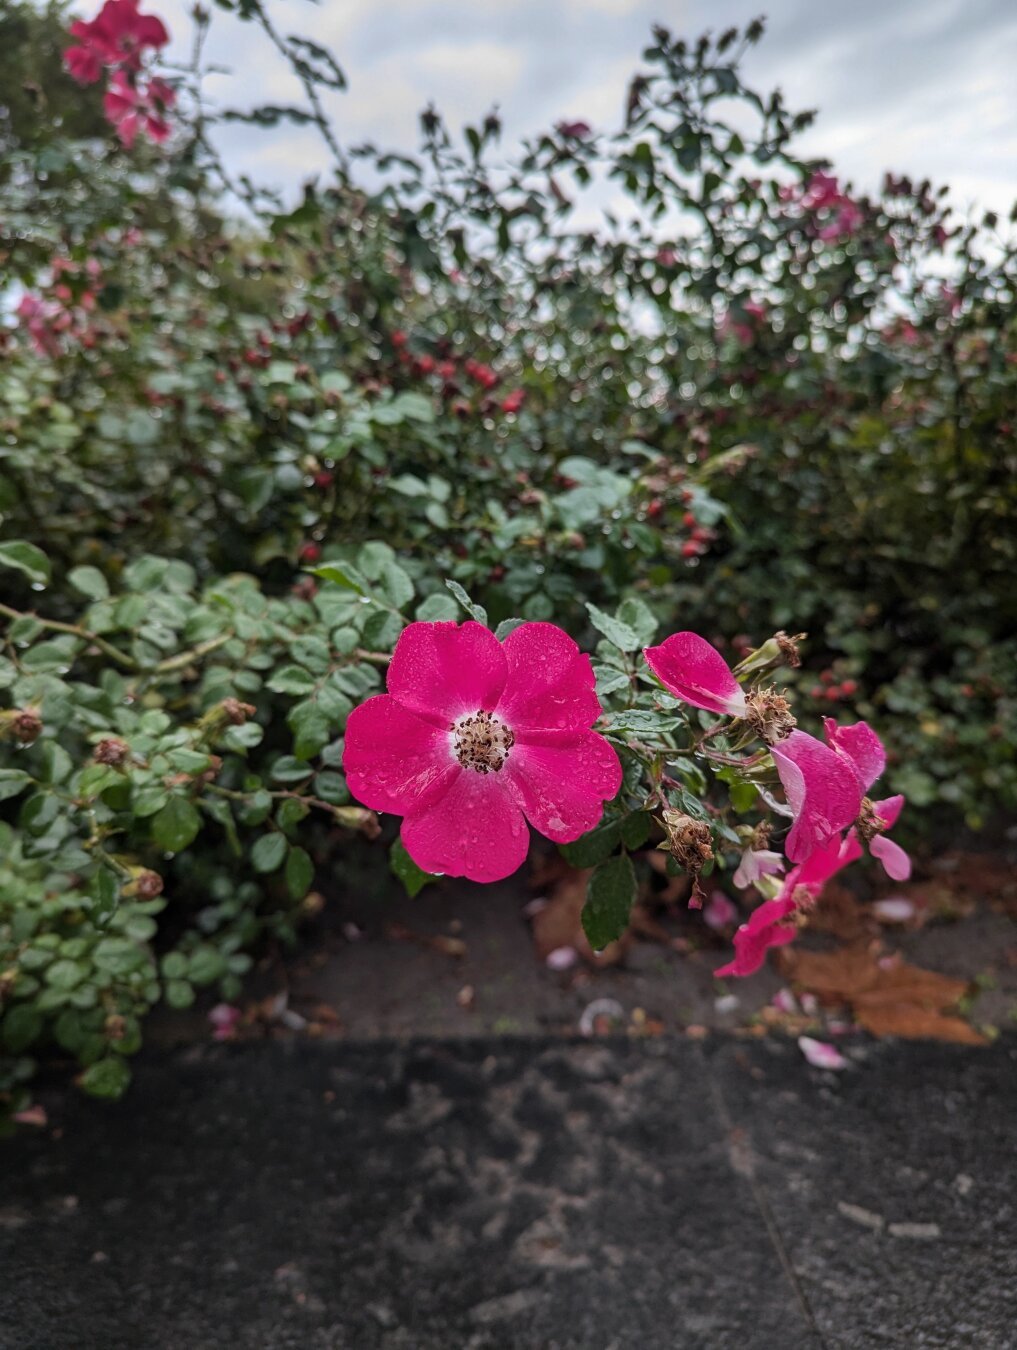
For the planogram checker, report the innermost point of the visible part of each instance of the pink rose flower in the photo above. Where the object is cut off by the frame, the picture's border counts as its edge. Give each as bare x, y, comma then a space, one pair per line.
694, 671
477, 736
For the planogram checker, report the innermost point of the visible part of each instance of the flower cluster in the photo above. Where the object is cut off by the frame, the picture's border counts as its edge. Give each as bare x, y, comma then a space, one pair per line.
116, 40
825, 785
63, 312
477, 736
839, 216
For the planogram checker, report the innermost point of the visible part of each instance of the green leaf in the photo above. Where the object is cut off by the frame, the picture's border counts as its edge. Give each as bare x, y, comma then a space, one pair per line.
743, 796
594, 846
20, 1027
437, 608
638, 616
396, 585
292, 680
342, 576
104, 892
176, 825
414, 878
13, 781
609, 898
89, 581
621, 634
299, 873
205, 964
477, 612
25, 557
268, 852
178, 993
107, 1078
507, 626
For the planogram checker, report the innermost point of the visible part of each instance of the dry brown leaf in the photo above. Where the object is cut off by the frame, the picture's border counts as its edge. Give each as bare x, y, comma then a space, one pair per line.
840, 914
888, 997
916, 1024
438, 942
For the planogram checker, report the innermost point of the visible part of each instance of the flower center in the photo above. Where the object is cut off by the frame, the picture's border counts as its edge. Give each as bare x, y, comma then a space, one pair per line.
481, 742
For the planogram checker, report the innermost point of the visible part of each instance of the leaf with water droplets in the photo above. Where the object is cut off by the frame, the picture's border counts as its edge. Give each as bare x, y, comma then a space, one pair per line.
609, 899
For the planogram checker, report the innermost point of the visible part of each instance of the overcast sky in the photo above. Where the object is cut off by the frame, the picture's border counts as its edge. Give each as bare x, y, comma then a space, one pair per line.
926, 87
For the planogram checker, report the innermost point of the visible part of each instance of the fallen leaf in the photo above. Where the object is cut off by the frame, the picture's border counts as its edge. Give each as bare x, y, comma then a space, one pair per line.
888, 996
437, 942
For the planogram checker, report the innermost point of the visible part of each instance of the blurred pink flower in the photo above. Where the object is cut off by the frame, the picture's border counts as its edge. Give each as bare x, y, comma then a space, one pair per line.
134, 108
117, 36
477, 736
224, 1018
720, 912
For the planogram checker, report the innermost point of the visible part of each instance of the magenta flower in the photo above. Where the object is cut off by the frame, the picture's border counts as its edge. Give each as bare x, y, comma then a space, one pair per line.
134, 108
477, 736
117, 36
822, 190
773, 924
688, 667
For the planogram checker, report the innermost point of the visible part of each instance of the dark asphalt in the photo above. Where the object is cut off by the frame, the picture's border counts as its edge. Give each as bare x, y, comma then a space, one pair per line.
530, 1194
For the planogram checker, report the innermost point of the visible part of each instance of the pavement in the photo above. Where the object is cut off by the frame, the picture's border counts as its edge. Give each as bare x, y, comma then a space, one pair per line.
526, 1193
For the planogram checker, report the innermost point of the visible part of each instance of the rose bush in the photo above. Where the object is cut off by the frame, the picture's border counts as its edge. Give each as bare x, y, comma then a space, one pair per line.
763, 403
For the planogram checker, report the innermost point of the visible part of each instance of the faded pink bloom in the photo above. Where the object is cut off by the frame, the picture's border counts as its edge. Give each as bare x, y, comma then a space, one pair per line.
562, 958
822, 190
694, 671
773, 924
847, 220
743, 322
117, 36
573, 131
224, 1018
32, 1115
134, 108
822, 1055
756, 863
720, 912
474, 738
666, 257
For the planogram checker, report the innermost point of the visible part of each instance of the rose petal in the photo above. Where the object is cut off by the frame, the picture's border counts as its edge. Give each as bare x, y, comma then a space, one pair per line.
562, 788
766, 928
821, 1055
691, 669
860, 745
395, 761
473, 830
889, 809
443, 671
822, 790
550, 683
896, 863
